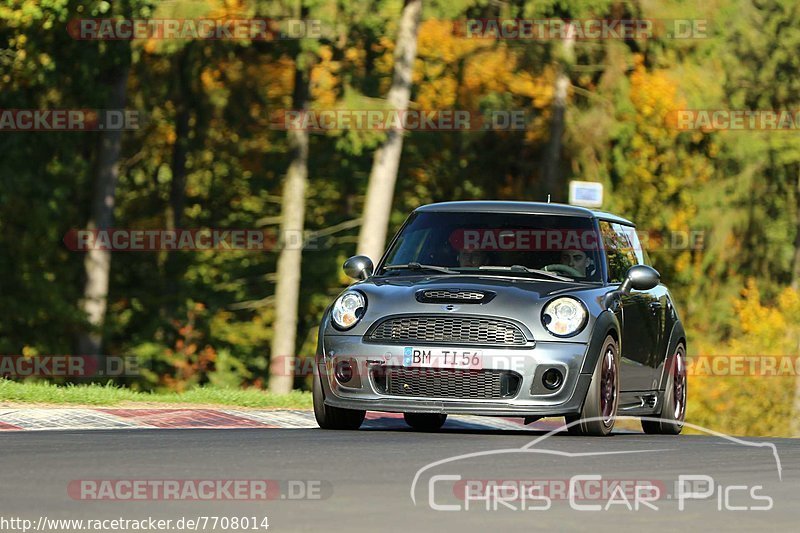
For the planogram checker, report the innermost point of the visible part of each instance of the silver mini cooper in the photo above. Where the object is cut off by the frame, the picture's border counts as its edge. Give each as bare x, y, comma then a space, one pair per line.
511, 309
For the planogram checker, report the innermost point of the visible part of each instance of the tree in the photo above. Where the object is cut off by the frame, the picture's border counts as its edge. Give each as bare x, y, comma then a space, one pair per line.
287, 289
554, 183
382, 178
97, 263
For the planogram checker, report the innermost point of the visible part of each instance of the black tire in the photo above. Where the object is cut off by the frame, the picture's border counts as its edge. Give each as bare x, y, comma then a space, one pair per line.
673, 409
599, 411
329, 417
425, 421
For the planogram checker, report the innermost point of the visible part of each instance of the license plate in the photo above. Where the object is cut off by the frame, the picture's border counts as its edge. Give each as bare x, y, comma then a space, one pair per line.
442, 358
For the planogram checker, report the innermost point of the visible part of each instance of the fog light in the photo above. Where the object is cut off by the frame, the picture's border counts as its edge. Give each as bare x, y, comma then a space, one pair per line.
552, 379
343, 371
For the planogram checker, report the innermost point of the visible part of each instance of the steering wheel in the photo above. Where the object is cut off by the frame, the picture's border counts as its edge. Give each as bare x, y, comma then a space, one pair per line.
566, 269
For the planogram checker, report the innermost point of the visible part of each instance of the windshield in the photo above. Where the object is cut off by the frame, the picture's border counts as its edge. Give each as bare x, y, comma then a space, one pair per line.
498, 243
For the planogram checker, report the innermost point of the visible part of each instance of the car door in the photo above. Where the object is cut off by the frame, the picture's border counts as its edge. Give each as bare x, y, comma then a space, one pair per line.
653, 304
637, 346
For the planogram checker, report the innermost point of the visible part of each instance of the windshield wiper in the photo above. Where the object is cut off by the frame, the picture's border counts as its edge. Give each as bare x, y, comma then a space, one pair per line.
417, 266
521, 268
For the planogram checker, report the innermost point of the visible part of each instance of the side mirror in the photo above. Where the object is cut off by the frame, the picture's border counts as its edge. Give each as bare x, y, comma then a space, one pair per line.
358, 267
639, 277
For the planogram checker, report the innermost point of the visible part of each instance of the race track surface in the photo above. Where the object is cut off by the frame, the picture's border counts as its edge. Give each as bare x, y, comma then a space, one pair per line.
362, 480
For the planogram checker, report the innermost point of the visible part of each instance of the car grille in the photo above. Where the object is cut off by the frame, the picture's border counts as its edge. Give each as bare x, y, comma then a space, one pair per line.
453, 296
446, 383
447, 330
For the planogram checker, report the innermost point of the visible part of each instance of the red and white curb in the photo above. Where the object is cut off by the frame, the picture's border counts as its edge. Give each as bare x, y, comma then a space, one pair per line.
36, 419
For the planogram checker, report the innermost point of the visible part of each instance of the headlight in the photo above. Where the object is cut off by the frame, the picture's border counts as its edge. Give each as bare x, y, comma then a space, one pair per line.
348, 309
564, 317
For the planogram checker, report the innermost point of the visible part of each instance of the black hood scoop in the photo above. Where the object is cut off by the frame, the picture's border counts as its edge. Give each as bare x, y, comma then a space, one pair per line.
449, 296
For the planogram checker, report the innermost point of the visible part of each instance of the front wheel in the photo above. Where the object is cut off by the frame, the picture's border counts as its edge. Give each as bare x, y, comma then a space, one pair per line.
329, 417
673, 410
600, 407
425, 421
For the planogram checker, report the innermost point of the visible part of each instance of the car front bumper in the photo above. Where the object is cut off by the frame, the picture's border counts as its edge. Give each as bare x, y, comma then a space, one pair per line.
362, 390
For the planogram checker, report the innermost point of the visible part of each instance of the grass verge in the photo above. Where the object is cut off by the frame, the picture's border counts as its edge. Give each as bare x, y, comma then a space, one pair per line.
106, 395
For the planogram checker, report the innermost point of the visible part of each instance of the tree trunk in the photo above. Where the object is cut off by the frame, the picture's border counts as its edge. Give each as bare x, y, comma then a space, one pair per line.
287, 289
382, 178
553, 179
796, 266
185, 101
97, 263
794, 423
183, 97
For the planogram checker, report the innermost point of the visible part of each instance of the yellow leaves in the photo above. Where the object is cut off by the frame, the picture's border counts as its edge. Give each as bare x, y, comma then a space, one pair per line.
209, 78
151, 46
754, 404
490, 70
539, 89
385, 61
236, 6
439, 93
764, 325
279, 78
454, 72
497, 70
437, 41
355, 55
228, 9
789, 302
654, 94
325, 53
325, 79
29, 351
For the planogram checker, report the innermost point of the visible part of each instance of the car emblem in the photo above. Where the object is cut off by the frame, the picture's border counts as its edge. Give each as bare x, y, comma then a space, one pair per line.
450, 308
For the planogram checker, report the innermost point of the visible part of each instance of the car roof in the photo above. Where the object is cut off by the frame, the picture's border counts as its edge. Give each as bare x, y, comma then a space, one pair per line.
494, 206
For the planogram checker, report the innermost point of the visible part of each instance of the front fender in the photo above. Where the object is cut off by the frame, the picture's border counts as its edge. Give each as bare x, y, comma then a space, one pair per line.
606, 322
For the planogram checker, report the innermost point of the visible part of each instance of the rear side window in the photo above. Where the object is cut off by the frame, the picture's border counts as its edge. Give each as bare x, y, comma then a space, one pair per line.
633, 238
620, 254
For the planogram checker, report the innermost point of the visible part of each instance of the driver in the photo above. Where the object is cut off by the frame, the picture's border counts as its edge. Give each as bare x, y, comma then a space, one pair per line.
472, 258
575, 259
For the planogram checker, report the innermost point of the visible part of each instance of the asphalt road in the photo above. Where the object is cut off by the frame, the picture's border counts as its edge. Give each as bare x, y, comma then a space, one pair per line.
362, 481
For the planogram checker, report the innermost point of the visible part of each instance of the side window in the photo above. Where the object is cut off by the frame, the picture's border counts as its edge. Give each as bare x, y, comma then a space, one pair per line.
638, 249
619, 252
